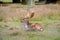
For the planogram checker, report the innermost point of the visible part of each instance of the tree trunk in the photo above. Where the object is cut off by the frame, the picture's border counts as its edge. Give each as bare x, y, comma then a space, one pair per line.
31, 2
28, 2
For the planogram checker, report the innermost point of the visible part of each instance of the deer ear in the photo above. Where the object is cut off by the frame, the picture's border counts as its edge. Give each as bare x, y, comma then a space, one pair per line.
32, 14
29, 15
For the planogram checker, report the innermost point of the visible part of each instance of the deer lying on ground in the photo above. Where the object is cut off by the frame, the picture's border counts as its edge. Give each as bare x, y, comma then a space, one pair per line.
31, 26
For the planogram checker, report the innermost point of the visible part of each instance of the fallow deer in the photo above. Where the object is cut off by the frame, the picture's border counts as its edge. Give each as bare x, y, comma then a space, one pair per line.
31, 26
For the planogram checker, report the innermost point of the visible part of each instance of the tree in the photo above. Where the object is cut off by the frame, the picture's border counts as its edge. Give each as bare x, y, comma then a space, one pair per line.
41, 0
29, 2
23, 1
16, 1
51, 1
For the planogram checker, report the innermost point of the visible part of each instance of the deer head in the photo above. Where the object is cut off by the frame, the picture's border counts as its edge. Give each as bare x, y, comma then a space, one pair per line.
26, 18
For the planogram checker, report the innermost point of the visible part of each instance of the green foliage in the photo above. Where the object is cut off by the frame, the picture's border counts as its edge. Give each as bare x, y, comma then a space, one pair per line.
29, 2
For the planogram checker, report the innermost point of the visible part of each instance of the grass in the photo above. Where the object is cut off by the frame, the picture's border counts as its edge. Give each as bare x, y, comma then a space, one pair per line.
58, 38
7, 38
47, 34
11, 28
37, 35
3, 27
15, 33
34, 35
45, 20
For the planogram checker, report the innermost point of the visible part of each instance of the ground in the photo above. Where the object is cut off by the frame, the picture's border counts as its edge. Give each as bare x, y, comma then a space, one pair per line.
14, 30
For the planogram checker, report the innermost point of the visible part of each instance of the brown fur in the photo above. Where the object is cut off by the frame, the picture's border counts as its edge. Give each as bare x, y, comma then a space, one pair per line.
35, 26
32, 25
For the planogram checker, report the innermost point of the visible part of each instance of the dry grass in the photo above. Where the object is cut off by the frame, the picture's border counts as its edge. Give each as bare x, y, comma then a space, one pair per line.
12, 29
18, 11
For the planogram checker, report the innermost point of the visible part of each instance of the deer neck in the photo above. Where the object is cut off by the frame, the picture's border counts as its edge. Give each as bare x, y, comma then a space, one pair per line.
26, 25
